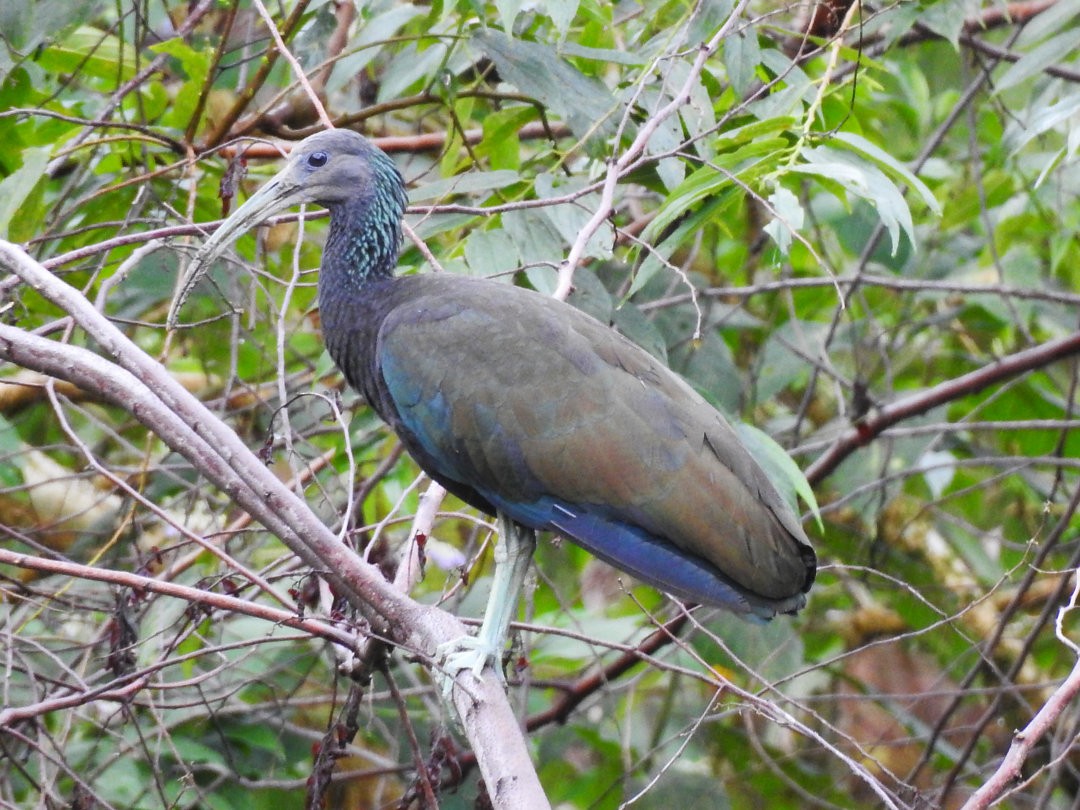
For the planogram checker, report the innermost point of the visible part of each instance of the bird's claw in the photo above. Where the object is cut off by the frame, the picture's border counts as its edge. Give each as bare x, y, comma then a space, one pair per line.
466, 652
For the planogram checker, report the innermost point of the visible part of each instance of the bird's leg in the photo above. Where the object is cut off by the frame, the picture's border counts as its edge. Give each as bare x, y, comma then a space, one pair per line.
513, 554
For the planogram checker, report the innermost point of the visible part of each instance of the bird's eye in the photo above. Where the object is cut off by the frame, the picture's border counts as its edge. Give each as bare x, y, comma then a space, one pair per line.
317, 159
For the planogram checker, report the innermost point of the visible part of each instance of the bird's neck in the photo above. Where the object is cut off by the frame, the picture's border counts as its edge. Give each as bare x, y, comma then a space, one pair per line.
358, 262
362, 246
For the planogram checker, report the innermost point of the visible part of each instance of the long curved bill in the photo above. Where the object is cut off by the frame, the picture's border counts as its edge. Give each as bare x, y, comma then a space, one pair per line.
279, 193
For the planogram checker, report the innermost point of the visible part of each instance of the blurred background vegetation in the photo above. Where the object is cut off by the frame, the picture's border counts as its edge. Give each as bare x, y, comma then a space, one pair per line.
857, 233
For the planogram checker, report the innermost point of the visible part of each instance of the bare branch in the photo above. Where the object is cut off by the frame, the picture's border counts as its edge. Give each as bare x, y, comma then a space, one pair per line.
1009, 772
866, 430
142, 387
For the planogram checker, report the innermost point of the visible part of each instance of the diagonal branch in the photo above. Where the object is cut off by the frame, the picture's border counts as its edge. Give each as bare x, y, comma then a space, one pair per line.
1010, 770
872, 426
617, 168
140, 385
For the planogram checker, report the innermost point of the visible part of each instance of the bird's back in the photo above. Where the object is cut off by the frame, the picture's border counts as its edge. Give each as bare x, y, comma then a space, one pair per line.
520, 403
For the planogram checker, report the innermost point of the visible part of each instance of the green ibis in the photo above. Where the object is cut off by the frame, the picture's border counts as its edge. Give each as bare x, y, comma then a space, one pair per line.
532, 411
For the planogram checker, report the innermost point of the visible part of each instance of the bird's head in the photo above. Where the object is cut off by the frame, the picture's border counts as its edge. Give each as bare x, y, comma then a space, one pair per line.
334, 168
330, 168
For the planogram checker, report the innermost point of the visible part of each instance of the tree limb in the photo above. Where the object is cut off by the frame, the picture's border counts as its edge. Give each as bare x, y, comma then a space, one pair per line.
141, 386
865, 431
1009, 770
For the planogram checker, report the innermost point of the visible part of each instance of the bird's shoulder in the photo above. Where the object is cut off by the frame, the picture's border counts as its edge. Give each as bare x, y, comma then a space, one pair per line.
499, 326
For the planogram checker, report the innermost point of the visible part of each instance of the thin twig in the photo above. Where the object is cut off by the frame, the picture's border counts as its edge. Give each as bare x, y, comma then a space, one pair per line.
298, 70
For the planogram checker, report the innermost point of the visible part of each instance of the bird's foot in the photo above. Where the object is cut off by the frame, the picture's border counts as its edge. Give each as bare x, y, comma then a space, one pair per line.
468, 652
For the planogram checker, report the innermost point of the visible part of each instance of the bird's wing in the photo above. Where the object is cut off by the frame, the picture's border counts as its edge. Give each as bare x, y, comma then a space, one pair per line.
535, 405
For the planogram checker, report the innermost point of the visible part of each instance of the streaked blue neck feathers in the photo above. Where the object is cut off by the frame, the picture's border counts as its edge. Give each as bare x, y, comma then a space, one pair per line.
365, 232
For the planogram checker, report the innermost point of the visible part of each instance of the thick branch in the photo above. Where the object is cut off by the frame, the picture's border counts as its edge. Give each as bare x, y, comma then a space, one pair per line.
140, 385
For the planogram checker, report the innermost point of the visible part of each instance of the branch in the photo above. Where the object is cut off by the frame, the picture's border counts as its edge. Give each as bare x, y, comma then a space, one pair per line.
195, 596
593, 682
244, 98
616, 168
141, 386
298, 71
869, 428
1009, 771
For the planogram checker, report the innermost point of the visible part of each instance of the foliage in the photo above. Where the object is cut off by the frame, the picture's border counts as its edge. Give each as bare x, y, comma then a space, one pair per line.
853, 228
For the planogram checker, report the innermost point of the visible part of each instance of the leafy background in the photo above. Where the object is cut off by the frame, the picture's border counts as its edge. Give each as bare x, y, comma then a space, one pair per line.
856, 231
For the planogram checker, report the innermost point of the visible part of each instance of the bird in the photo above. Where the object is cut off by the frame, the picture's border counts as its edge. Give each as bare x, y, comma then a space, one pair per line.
532, 411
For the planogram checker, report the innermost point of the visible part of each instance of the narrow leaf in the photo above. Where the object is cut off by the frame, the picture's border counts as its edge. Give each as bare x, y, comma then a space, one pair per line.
865, 181
890, 164
470, 183
1056, 49
538, 71
1043, 119
17, 186
785, 473
789, 218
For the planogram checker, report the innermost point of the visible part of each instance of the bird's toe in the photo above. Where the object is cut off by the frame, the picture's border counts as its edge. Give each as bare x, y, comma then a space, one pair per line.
466, 652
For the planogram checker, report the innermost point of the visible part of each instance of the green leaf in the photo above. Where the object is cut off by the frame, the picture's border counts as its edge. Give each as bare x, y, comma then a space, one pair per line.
257, 737
889, 164
570, 219
10, 447
121, 782
366, 43
997, 187
605, 55
501, 144
711, 209
742, 55
752, 133
1049, 21
577, 649
538, 71
707, 18
469, 183
666, 139
451, 160
1042, 119
865, 181
490, 253
538, 243
790, 217
784, 473
939, 469
711, 179
945, 18
411, 68
191, 750
590, 295
1056, 49
779, 368
709, 366
562, 14
508, 11
17, 186
89, 52
196, 66
28, 23
659, 254
772, 650
629, 320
